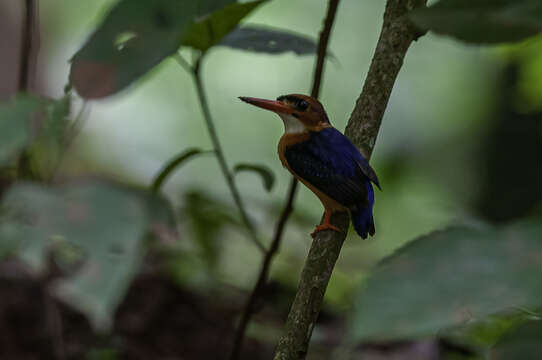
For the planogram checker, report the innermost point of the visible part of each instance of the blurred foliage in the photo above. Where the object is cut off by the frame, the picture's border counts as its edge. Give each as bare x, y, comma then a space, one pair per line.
105, 221
482, 21
449, 278
511, 180
213, 28
474, 285
16, 121
135, 36
268, 40
172, 165
265, 173
522, 342
207, 219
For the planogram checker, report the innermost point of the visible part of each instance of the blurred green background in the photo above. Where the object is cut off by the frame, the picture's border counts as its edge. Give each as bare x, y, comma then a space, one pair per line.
442, 107
460, 142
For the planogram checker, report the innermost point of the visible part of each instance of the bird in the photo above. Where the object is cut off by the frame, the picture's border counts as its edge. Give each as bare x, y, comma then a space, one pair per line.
324, 160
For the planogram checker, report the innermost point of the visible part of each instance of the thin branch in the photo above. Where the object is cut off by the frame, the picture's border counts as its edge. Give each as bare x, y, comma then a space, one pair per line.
24, 168
27, 32
396, 36
248, 310
322, 47
196, 71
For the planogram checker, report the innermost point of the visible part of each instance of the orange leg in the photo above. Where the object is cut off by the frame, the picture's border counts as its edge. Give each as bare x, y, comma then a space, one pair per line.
325, 225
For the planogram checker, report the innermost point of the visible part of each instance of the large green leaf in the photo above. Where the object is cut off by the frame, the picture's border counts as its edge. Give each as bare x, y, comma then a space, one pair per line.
135, 36
212, 29
482, 21
105, 222
269, 40
16, 119
449, 278
522, 343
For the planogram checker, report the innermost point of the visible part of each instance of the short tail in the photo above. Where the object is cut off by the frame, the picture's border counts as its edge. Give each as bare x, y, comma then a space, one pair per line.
362, 218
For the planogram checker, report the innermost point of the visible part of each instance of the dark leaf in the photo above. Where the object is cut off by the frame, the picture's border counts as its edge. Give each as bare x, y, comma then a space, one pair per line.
213, 28
172, 165
106, 222
268, 40
482, 21
522, 343
135, 36
16, 120
449, 278
266, 174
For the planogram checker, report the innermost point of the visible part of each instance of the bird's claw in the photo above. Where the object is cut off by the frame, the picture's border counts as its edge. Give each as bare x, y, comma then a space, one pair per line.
323, 227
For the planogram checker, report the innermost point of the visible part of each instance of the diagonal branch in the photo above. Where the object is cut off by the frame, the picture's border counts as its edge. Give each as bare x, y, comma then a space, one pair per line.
248, 310
396, 36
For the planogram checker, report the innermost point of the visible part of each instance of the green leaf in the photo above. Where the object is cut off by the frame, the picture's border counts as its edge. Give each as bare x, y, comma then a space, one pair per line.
212, 29
106, 222
135, 36
207, 218
449, 278
49, 144
521, 343
16, 120
270, 41
266, 174
172, 165
482, 21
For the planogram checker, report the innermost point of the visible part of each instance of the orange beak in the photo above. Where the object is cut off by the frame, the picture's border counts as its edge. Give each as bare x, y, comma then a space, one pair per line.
272, 105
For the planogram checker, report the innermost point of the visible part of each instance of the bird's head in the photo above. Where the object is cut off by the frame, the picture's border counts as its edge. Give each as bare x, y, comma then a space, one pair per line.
300, 113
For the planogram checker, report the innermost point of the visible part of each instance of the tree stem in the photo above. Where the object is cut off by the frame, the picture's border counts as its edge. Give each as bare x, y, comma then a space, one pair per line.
196, 71
288, 208
396, 36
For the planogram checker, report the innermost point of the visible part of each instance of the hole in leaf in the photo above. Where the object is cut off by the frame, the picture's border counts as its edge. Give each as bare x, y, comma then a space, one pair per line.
122, 39
272, 44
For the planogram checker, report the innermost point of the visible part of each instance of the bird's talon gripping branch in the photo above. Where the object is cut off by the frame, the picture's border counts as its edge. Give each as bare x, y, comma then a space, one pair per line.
324, 160
323, 227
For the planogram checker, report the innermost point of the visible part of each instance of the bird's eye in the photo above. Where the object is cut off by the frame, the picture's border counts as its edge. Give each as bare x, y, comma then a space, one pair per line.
302, 105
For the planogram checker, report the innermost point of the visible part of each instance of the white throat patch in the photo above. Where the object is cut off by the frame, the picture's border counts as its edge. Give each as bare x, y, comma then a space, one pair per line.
292, 125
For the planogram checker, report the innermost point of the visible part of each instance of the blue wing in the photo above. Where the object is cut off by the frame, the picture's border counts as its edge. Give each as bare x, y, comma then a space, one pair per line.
330, 162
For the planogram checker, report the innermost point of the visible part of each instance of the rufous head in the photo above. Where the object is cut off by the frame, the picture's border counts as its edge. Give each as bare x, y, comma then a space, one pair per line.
300, 113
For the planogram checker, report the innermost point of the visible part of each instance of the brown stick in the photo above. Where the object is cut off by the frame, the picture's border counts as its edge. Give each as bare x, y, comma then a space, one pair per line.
288, 208
27, 31
28, 45
396, 36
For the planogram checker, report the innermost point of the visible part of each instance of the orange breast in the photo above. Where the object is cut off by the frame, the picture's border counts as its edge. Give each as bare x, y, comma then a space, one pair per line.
288, 140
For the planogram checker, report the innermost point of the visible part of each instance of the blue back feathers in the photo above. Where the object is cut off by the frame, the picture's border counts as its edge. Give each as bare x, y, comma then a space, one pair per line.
332, 164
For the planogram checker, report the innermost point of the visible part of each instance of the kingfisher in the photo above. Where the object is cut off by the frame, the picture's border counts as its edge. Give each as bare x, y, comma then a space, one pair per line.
324, 160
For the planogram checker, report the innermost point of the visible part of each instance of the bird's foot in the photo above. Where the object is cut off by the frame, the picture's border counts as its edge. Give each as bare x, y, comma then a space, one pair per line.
325, 226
